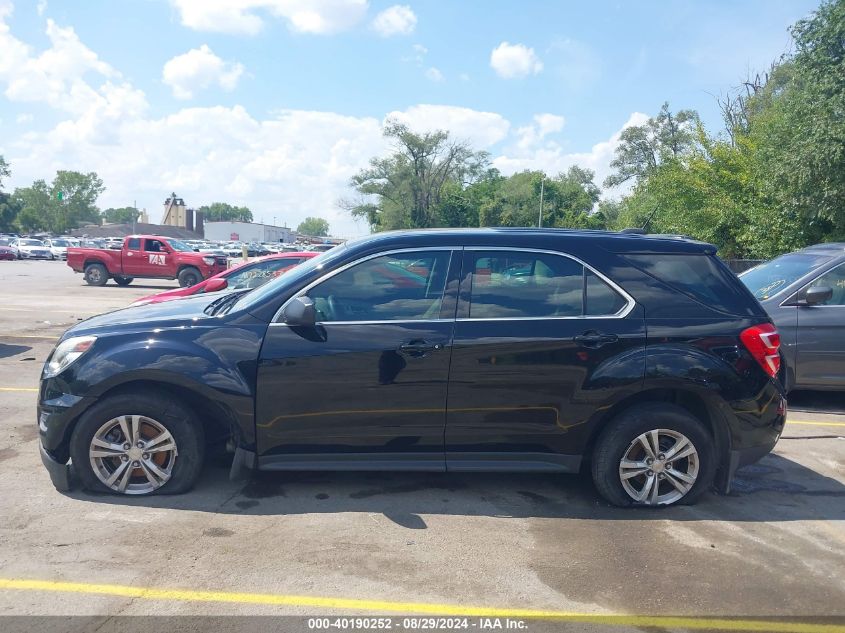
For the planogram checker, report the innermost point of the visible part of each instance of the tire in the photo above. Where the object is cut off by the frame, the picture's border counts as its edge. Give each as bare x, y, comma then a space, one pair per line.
151, 414
621, 438
123, 281
96, 275
189, 276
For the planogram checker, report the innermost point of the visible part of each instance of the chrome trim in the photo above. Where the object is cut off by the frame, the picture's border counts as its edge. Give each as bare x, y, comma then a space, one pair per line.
336, 271
618, 315
396, 321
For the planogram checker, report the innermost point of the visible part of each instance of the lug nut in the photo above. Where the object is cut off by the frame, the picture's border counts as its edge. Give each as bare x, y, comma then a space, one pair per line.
136, 464
668, 465
661, 456
140, 444
661, 476
649, 473
127, 446
649, 461
145, 456
124, 458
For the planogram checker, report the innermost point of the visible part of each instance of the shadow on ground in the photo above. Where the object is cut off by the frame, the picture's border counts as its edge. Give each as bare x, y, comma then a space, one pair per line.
775, 489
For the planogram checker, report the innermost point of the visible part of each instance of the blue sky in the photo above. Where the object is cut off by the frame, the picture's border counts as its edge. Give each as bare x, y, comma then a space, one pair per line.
276, 103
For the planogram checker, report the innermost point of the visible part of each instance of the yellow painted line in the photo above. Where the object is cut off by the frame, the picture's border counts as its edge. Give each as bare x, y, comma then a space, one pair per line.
808, 423
18, 388
425, 608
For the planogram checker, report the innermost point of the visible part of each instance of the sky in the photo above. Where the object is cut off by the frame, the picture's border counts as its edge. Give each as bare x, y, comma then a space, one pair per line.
275, 104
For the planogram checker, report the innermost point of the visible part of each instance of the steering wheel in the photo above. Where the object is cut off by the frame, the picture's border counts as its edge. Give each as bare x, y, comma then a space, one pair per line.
332, 306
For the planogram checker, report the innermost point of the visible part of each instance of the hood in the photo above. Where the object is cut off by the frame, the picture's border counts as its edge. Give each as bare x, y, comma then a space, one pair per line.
168, 314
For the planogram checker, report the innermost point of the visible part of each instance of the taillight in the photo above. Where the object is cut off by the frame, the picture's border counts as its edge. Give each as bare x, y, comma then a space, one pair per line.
763, 342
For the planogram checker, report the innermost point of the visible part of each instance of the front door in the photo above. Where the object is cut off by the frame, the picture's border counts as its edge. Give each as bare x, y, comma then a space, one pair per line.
365, 388
534, 356
820, 360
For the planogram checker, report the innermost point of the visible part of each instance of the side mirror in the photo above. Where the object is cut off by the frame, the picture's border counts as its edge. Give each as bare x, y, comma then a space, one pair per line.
216, 285
817, 294
301, 312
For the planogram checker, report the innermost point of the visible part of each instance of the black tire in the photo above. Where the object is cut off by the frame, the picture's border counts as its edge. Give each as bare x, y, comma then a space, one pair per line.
625, 428
96, 275
169, 413
189, 276
123, 281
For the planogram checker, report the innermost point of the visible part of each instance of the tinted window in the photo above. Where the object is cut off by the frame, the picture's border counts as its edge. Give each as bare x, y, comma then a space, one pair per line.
835, 279
153, 246
766, 280
701, 277
406, 286
509, 284
134, 244
601, 298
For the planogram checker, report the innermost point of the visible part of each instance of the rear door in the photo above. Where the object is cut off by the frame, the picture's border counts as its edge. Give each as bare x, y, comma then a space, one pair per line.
821, 336
133, 257
534, 355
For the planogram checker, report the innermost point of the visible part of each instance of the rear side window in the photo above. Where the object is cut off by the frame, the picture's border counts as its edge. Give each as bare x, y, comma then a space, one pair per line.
134, 244
601, 299
701, 277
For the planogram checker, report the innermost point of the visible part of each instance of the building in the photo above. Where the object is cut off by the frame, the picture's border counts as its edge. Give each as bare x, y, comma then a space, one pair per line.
177, 214
247, 232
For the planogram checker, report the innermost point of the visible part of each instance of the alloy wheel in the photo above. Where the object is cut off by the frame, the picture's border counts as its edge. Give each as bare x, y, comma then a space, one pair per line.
133, 454
659, 467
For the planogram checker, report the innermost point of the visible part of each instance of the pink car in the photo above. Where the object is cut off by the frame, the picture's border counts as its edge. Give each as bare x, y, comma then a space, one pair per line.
247, 275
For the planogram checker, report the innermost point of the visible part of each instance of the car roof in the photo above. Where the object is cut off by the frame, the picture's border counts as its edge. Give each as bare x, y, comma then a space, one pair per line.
613, 241
833, 247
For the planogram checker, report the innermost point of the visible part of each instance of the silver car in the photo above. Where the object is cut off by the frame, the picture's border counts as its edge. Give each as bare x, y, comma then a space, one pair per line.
28, 248
804, 293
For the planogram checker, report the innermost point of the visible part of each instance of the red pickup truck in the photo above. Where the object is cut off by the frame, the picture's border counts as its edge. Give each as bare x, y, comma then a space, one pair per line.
151, 256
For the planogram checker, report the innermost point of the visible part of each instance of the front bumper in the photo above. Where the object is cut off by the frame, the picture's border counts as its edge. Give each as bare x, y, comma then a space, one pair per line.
60, 473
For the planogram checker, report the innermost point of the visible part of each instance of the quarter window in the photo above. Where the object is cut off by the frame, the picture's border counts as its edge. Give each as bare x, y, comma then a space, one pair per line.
601, 299
134, 244
835, 279
400, 287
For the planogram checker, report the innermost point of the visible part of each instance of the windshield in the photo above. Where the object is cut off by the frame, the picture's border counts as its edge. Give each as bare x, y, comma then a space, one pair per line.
176, 245
770, 278
31, 243
324, 259
59, 242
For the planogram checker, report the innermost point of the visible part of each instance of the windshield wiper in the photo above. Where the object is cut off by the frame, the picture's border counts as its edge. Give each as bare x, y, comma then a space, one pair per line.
224, 303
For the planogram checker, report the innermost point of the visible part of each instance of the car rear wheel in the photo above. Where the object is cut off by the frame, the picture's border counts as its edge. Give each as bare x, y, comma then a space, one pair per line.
189, 276
96, 275
123, 281
136, 444
653, 455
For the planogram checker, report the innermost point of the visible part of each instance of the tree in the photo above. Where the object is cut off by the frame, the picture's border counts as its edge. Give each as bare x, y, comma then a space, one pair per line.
121, 215
643, 148
9, 208
68, 202
5, 171
224, 212
315, 227
406, 189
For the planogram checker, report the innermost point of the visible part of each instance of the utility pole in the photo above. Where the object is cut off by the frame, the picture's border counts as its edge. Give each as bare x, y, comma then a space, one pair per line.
540, 217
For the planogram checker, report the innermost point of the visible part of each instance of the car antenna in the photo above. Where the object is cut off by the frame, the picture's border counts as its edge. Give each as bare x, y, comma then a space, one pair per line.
650, 217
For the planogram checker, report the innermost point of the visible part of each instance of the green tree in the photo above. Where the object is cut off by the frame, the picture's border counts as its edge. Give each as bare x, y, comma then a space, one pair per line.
316, 227
224, 212
121, 215
643, 148
407, 188
9, 208
68, 202
5, 171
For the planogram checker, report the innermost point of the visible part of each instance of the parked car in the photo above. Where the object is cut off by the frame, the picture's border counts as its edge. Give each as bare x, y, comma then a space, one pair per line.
7, 253
149, 256
58, 247
641, 358
28, 248
241, 277
804, 293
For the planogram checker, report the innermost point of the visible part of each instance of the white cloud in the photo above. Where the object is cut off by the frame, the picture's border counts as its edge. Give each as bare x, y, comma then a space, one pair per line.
481, 129
41, 7
247, 16
24, 118
434, 74
396, 20
512, 61
199, 69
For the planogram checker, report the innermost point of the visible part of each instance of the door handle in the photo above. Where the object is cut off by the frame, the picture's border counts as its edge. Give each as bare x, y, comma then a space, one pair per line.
418, 348
594, 339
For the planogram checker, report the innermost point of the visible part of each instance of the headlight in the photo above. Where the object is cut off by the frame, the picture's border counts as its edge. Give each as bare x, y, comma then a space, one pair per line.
209, 261
66, 353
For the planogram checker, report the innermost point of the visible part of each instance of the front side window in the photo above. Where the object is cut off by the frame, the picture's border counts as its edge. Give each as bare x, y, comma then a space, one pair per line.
514, 284
834, 279
153, 246
400, 287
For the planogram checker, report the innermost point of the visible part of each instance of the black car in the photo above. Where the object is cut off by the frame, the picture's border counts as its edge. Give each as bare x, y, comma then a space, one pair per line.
804, 293
640, 358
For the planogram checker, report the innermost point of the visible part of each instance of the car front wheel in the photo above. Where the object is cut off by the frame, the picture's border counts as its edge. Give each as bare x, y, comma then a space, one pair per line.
189, 276
136, 444
654, 455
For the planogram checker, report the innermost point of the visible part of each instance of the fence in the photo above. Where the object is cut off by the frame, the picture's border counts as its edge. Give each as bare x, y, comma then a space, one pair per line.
741, 265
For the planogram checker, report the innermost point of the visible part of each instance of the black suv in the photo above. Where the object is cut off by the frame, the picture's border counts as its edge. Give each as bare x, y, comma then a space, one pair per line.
641, 358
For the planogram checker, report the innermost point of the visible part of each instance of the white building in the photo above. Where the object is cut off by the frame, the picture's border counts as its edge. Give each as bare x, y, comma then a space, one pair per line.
247, 232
